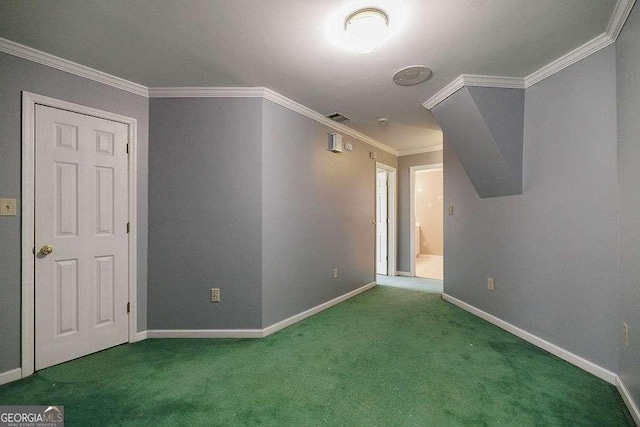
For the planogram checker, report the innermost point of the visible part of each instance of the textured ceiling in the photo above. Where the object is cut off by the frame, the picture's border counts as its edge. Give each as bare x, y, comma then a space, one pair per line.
283, 45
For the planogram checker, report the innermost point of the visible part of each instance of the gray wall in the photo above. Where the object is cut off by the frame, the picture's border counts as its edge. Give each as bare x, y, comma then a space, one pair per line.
404, 241
205, 213
628, 50
484, 127
317, 208
18, 75
552, 250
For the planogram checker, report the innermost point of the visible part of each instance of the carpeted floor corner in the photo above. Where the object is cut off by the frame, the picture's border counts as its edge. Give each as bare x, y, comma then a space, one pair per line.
388, 357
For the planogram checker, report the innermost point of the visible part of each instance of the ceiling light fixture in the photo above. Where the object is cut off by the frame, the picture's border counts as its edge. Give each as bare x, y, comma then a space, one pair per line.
365, 25
366, 30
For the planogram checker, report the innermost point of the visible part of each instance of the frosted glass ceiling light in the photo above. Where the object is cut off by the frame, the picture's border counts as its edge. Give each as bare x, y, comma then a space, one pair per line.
366, 30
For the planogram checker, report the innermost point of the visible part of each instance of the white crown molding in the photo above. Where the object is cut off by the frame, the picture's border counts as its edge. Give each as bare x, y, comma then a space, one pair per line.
305, 111
420, 150
444, 93
554, 349
268, 94
470, 80
493, 81
618, 18
206, 92
34, 55
589, 48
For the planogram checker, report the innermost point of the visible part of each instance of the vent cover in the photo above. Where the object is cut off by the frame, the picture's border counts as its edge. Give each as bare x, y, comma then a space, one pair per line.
338, 117
412, 75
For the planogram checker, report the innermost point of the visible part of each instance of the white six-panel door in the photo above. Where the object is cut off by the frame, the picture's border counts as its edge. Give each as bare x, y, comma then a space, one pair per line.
81, 215
381, 223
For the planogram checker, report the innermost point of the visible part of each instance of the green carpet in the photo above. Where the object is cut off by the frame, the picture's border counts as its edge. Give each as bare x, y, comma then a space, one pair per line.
389, 357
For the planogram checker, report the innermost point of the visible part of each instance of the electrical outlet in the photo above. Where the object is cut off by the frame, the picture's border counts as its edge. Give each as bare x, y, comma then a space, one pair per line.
490, 283
450, 209
215, 295
8, 207
335, 273
625, 334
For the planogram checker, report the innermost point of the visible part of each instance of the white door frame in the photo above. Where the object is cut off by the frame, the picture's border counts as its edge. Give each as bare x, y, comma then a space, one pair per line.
392, 203
412, 210
29, 101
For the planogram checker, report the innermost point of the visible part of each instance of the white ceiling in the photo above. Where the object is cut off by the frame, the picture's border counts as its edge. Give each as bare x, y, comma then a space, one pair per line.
283, 45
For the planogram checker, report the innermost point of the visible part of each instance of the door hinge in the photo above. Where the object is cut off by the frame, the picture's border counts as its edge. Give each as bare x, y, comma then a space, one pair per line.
127, 148
33, 250
128, 227
128, 307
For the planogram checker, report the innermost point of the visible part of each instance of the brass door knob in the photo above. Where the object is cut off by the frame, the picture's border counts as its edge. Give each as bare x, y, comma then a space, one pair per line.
46, 250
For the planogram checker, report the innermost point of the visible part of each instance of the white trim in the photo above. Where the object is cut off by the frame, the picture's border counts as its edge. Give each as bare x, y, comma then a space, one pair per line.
493, 81
140, 336
206, 92
413, 151
9, 376
403, 273
444, 93
265, 93
305, 111
618, 18
254, 333
392, 202
317, 309
31, 54
204, 333
29, 101
628, 400
589, 48
572, 358
412, 210
473, 80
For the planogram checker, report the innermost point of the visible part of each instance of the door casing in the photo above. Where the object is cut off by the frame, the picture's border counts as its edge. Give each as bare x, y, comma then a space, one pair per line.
392, 208
29, 101
412, 210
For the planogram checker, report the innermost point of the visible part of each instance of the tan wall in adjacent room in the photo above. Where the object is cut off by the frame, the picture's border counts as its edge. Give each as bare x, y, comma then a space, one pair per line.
429, 211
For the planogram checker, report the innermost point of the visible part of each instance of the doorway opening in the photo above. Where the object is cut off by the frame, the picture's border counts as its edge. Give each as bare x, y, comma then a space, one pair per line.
426, 221
385, 220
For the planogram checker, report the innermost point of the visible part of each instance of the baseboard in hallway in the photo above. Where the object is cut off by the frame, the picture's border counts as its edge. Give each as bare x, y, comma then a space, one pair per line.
9, 376
572, 358
253, 333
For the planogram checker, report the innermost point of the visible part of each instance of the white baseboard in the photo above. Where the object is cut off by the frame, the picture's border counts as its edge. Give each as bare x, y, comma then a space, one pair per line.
140, 336
574, 359
252, 333
204, 333
12, 375
404, 273
317, 309
628, 400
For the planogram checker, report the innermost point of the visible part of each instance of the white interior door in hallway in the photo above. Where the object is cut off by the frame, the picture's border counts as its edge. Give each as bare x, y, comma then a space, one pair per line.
81, 215
382, 223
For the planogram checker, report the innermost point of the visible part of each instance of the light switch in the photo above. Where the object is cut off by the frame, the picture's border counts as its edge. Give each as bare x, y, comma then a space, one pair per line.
8, 207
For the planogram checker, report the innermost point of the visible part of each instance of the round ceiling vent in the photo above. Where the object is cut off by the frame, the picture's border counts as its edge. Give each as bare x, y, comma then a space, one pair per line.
412, 75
